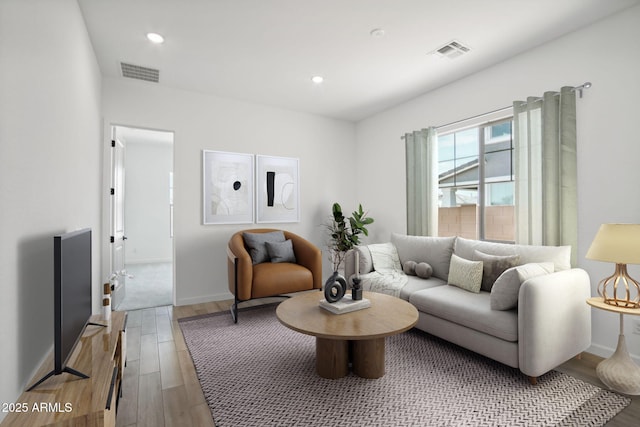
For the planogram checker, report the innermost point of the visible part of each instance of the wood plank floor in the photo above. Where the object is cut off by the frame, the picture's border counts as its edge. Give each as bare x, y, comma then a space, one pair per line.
160, 387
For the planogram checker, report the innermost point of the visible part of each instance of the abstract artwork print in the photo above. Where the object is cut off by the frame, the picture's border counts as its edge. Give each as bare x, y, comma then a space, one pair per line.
227, 187
278, 189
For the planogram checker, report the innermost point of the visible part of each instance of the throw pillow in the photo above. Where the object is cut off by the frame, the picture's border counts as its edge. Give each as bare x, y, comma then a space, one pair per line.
385, 256
493, 266
465, 274
281, 251
423, 270
256, 242
409, 268
504, 294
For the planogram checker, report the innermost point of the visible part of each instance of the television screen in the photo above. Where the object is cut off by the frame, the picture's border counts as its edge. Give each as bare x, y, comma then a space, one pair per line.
72, 289
72, 296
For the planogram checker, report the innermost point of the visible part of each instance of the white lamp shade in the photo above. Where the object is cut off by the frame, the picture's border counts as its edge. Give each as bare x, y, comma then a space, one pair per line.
617, 243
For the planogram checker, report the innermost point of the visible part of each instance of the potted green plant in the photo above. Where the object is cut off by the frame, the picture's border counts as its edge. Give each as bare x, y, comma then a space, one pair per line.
344, 233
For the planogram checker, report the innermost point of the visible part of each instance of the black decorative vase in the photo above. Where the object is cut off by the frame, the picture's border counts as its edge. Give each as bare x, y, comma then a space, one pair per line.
356, 291
335, 287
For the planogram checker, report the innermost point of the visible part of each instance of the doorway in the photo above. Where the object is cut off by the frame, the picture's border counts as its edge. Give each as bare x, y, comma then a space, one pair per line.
146, 279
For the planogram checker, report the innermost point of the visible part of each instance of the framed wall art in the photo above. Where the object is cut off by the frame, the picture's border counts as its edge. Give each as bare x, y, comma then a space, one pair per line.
277, 189
228, 187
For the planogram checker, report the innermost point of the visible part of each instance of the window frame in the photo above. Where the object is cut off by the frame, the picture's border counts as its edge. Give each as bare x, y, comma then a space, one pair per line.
483, 128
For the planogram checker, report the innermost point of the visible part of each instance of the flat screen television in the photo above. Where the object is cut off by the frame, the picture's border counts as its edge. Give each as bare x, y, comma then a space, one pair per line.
72, 296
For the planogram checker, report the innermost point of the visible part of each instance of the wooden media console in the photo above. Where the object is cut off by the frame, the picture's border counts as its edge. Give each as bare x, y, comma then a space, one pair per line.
67, 400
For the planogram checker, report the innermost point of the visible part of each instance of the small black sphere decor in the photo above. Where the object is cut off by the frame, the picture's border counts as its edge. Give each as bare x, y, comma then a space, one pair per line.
335, 288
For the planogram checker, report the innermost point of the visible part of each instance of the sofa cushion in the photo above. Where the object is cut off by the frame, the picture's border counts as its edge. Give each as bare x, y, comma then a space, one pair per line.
256, 243
385, 257
281, 251
504, 294
493, 266
467, 309
559, 255
436, 251
465, 274
415, 284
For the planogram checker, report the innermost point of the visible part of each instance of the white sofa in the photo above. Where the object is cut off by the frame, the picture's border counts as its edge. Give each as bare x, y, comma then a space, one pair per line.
550, 324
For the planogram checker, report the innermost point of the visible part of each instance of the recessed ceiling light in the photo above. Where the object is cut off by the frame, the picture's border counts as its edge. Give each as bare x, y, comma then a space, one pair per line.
317, 79
377, 33
155, 38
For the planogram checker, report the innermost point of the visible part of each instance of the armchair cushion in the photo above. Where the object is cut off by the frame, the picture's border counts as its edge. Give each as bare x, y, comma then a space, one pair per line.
248, 280
281, 251
256, 242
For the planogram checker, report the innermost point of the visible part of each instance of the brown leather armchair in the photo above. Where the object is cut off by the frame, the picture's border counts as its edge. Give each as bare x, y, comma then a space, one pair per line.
248, 281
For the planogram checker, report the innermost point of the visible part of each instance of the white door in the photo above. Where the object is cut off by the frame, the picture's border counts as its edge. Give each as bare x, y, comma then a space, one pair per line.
118, 237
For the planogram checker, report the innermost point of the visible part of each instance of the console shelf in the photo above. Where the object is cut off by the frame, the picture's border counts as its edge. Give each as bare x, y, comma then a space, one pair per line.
65, 399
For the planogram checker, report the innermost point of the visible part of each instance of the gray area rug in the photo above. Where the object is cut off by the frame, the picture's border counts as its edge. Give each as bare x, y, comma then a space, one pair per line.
259, 373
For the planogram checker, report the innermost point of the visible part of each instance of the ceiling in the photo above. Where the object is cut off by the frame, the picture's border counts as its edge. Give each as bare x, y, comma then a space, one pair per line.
266, 51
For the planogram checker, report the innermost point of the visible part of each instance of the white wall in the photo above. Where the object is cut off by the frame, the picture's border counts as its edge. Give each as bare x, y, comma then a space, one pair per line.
147, 202
324, 146
605, 54
50, 163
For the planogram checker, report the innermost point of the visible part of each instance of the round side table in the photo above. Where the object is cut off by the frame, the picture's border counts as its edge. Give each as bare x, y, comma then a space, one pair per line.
618, 372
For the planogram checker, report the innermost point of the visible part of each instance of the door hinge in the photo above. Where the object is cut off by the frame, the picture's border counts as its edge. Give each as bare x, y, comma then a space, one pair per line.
112, 239
113, 191
113, 142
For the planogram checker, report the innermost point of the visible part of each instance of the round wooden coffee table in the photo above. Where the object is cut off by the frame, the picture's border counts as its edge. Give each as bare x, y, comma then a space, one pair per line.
357, 337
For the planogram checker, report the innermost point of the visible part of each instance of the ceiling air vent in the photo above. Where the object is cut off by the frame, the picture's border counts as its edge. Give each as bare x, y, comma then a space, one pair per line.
452, 50
141, 73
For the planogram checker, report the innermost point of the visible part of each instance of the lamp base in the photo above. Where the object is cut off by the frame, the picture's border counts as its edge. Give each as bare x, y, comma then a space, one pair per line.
608, 289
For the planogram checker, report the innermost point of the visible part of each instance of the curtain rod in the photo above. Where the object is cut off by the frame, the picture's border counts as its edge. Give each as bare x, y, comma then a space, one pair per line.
580, 88
476, 117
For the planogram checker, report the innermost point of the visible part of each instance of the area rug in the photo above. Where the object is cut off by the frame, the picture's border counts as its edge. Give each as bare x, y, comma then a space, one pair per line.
260, 373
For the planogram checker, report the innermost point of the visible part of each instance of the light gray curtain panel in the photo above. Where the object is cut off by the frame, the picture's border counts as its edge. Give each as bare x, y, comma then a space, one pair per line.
545, 149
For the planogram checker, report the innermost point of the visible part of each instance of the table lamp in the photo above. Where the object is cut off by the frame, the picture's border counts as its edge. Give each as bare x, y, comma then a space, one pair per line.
620, 244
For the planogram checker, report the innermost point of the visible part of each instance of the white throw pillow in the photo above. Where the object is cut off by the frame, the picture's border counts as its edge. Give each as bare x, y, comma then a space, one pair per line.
504, 294
385, 257
465, 274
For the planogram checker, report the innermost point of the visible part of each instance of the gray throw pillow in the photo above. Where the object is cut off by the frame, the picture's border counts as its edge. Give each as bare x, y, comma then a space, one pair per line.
409, 268
505, 291
281, 251
465, 274
493, 266
256, 242
423, 270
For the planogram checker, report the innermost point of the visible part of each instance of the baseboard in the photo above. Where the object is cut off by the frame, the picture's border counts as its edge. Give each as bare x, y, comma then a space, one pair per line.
606, 352
205, 298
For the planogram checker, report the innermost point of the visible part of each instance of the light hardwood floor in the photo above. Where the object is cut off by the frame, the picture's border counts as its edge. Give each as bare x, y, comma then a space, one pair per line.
160, 387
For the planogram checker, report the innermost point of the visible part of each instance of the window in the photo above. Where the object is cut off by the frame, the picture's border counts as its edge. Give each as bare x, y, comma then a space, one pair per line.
476, 199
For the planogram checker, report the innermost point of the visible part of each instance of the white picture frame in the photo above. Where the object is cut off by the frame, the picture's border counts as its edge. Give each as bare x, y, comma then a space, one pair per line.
227, 188
277, 189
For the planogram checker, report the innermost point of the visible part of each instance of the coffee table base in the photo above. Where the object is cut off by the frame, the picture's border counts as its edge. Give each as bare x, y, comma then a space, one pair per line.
366, 356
